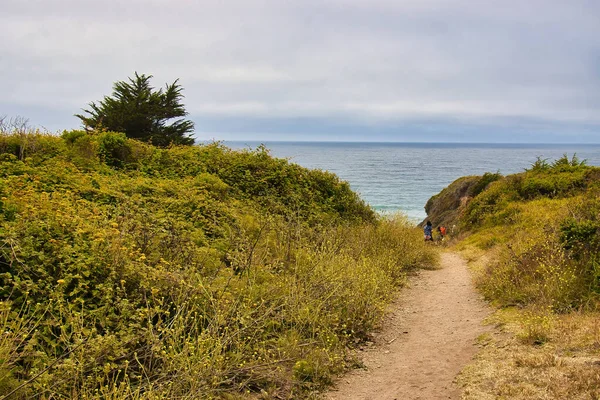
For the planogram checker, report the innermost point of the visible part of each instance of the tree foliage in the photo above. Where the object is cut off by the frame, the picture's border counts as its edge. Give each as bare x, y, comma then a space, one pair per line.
141, 112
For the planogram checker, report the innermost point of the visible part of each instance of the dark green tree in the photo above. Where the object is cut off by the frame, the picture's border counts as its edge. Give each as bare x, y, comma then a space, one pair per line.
141, 112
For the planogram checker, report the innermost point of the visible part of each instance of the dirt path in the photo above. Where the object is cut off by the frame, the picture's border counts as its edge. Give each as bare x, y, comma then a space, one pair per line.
429, 337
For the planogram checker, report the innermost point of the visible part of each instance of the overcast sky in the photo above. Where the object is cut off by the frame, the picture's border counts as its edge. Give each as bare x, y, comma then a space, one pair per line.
360, 70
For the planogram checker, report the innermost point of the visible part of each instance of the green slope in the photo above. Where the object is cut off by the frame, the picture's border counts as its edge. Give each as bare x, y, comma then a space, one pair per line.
129, 271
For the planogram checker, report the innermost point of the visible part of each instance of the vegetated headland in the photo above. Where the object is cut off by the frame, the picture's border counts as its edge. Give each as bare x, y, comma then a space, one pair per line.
533, 240
138, 272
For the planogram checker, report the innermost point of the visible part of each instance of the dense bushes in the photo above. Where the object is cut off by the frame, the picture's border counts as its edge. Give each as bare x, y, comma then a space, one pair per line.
539, 239
544, 226
189, 272
533, 241
251, 174
532, 266
563, 178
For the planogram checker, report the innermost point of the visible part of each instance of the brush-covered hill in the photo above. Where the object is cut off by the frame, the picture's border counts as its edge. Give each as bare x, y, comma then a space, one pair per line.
534, 239
448, 206
547, 214
130, 271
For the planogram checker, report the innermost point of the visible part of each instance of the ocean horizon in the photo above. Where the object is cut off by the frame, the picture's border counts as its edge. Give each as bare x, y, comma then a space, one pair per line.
492, 144
402, 176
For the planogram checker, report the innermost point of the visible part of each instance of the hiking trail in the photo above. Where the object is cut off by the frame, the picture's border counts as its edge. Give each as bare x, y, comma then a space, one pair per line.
428, 336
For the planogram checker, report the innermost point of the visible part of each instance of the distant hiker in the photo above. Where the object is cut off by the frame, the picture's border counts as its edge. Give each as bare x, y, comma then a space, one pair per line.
428, 231
443, 230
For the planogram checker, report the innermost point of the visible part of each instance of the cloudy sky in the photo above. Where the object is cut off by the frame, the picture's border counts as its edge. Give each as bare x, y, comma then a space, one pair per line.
357, 70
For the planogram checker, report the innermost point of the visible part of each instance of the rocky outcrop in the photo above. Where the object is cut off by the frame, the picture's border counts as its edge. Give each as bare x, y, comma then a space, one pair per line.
446, 207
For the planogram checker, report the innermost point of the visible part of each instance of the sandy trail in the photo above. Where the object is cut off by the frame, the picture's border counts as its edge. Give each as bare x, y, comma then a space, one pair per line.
428, 338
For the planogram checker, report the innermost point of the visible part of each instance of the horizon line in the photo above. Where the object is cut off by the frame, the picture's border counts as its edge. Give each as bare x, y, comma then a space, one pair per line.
392, 142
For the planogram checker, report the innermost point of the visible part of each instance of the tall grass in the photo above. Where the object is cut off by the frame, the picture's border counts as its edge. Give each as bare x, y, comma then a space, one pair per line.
278, 326
543, 225
539, 232
176, 273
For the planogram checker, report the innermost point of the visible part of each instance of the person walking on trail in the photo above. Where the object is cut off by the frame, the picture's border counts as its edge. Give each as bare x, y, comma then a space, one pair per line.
428, 231
441, 233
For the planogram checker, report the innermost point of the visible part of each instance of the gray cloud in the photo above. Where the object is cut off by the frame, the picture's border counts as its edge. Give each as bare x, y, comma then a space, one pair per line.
377, 64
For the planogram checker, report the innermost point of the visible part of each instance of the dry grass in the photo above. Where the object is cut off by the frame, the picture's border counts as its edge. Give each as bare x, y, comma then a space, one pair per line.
566, 366
534, 353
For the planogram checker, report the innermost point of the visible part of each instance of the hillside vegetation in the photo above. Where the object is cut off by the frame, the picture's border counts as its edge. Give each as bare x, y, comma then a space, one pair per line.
534, 241
545, 224
130, 271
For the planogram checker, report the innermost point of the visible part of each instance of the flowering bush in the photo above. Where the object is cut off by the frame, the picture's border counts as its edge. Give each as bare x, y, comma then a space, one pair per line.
128, 271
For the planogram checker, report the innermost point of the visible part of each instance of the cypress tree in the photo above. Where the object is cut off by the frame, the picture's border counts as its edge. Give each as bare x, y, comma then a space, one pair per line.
141, 112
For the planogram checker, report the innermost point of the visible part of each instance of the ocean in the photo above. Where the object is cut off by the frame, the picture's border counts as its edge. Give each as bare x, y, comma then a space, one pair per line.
395, 177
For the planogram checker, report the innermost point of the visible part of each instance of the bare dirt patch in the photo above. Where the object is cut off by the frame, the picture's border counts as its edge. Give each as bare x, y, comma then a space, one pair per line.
429, 337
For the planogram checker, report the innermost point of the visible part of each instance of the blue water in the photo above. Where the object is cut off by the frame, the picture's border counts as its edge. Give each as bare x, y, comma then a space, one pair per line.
403, 176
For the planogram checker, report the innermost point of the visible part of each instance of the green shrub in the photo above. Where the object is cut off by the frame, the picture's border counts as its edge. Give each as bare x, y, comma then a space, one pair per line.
71, 137
483, 183
114, 148
545, 225
10, 144
535, 270
561, 179
489, 202
182, 275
